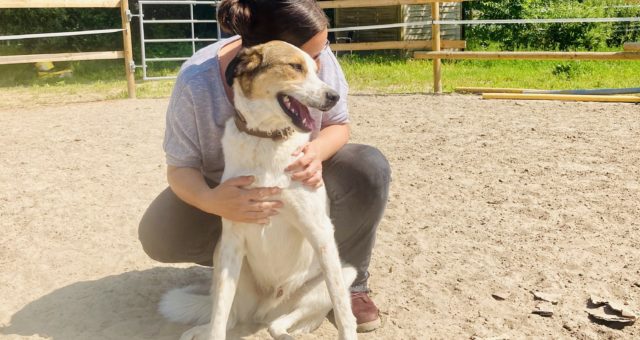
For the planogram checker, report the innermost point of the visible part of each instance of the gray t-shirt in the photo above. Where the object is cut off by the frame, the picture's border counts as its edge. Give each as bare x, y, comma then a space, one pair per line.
199, 108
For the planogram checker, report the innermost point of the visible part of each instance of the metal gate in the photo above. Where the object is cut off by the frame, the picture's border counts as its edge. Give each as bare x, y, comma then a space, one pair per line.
193, 39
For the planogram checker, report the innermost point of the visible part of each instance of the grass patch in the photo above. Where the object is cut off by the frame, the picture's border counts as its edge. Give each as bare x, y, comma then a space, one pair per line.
388, 74
91, 81
397, 75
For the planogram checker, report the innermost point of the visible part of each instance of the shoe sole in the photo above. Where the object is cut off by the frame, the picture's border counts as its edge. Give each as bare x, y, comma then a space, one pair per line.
368, 326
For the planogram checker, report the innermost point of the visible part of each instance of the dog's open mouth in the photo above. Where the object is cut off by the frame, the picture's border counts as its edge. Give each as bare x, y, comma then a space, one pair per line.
298, 112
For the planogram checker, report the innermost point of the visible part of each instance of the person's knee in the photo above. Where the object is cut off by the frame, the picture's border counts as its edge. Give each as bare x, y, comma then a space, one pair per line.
367, 165
154, 245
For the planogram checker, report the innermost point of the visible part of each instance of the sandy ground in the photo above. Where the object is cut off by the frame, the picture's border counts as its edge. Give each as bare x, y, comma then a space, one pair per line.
487, 196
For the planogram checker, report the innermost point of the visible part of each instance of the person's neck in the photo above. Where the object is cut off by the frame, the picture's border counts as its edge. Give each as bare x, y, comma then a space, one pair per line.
225, 56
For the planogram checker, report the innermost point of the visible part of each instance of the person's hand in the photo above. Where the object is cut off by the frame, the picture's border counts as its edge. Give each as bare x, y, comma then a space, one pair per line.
231, 200
308, 168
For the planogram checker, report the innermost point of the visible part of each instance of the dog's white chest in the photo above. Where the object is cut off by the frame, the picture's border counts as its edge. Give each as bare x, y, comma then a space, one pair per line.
279, 255
260, 157
276, 252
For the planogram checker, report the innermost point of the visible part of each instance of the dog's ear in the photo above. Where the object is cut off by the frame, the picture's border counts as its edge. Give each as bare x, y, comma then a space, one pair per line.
247, 61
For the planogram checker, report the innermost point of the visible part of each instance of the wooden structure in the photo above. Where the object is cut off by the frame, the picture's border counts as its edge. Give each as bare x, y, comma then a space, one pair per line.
631, 52
126, 53
386, 12
434, 44
422, 13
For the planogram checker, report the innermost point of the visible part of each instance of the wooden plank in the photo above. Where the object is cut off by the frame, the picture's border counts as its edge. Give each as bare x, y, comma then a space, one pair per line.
529, 55
128, 50
436, 47
396, 45
34, 58
632, 47
563, 97
59, 3
374, 3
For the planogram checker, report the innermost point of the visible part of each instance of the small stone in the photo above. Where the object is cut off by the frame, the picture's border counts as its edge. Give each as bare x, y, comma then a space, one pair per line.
604, 313
597, 300
501, 296
624, 311
543, 308
548, 297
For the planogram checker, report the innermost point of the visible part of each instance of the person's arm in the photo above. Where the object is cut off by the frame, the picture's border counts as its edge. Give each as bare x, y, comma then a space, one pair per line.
334, 133
330, 139
229, 200
308, 168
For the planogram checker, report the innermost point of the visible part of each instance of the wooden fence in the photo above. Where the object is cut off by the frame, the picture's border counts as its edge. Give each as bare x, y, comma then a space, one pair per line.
435, 44
126, 53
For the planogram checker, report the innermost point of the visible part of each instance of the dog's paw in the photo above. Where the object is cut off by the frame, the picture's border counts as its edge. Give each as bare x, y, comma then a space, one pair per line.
201, 332
348, 335
285, 337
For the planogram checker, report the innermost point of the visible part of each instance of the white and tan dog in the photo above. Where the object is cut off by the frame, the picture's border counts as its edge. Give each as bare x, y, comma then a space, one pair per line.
287, 274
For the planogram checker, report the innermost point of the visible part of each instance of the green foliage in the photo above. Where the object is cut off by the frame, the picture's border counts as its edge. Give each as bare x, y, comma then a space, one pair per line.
568, 70
31, 21
564, 36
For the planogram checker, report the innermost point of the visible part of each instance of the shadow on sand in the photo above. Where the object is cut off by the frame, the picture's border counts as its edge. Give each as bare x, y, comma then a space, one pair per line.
121, 306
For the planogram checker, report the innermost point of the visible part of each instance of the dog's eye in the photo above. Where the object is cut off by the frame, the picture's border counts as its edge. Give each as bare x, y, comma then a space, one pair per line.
297, 67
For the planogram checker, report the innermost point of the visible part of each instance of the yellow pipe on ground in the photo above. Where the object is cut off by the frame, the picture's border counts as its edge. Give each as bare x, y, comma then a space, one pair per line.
563, 97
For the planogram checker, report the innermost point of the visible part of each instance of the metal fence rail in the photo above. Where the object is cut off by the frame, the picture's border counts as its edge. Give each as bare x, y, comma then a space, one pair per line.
193, 39
58, 34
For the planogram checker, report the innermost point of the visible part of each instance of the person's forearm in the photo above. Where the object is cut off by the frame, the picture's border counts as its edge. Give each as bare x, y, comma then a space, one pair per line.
188, 184
330, 140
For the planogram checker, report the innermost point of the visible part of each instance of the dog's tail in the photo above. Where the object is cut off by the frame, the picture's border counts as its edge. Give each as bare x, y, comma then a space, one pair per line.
187, 305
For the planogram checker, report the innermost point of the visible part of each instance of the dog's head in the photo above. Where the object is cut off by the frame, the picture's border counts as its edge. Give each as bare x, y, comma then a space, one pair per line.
274, 84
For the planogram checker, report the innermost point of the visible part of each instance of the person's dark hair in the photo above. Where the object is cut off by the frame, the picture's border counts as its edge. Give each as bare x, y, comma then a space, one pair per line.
260, 21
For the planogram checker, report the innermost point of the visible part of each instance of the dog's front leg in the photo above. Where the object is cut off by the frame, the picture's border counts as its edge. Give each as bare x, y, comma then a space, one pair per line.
227, 266
320, 235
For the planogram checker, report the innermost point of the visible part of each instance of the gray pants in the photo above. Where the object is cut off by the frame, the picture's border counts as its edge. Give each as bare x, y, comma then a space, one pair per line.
357, 183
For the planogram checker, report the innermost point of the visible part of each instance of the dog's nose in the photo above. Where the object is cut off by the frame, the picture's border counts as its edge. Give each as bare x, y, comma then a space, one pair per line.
332, 97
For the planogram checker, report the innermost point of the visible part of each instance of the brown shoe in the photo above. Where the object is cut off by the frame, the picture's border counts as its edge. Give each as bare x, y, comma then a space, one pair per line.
365, 311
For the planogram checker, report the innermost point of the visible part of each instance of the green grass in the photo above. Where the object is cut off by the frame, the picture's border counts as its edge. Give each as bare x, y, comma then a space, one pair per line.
99, 80
101, 76
396, 75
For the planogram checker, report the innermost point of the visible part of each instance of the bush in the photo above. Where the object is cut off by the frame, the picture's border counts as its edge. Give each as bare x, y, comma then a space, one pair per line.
31, 21
564, 36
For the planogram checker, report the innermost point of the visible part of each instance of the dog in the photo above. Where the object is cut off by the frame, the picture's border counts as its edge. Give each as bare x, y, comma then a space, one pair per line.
287, 274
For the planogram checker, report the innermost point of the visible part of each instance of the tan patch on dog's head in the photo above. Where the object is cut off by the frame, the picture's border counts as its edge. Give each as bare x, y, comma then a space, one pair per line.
264, 70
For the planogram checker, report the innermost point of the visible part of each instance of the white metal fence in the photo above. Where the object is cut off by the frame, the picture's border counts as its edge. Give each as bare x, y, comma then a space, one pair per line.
193, 39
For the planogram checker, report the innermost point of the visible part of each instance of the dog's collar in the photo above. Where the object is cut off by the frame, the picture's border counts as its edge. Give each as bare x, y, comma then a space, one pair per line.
276, 135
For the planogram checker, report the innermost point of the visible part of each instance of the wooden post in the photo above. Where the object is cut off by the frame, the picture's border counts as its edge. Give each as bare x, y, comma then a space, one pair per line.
128, 51
436, 45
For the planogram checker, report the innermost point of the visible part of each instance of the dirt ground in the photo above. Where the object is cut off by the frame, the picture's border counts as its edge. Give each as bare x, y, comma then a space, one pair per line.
487, 197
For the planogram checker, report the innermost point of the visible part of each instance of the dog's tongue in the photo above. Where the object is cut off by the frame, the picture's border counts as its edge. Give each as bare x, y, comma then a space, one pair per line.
303, 113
